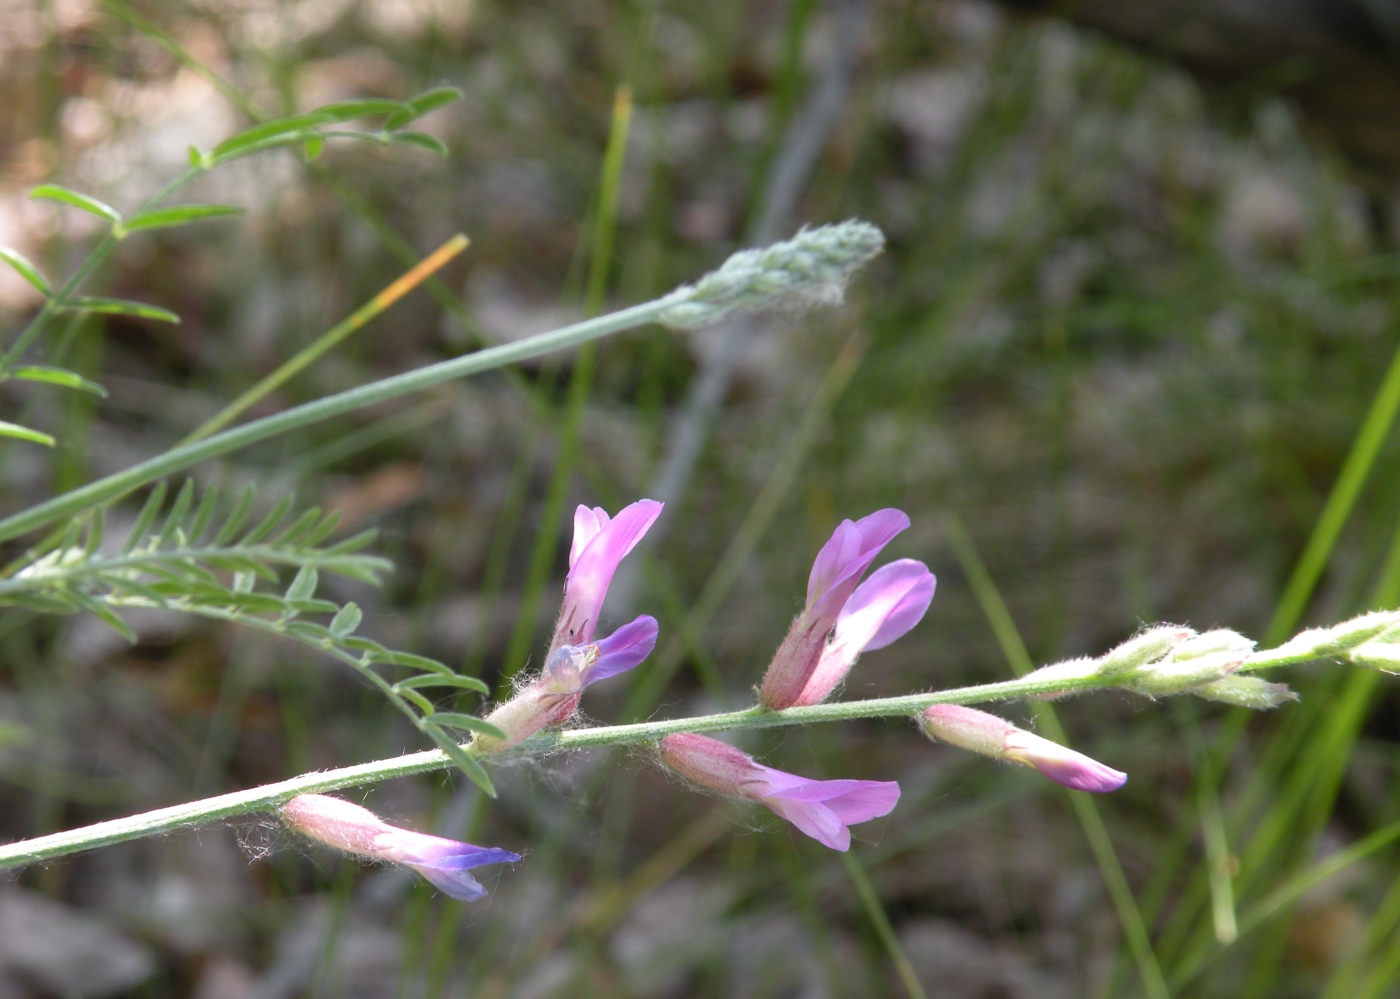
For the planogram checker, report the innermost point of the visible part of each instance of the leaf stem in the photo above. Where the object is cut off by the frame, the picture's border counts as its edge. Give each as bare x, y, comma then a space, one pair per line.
177, 459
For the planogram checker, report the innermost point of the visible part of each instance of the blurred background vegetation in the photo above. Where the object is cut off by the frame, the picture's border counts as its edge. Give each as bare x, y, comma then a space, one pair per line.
1128, 330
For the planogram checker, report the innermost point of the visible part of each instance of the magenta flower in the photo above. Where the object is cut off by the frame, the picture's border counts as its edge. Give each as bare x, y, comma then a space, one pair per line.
837, 570
348, 827
989, 735
600, 544
881, 610
553, 698
823, 809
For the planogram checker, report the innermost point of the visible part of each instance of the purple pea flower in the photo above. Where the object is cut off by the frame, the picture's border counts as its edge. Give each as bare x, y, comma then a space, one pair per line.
823, 809
837, 570
553, 697
600, 544
345, 826
989, 735
881, 610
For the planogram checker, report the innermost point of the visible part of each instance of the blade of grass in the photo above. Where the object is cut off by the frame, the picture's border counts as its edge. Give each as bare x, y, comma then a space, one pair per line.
1012, 646
547, 539
1355, 472
881, 921
648, 686
294, 365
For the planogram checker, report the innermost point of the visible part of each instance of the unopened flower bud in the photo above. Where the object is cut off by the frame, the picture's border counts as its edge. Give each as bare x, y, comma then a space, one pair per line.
1336, 640
1246, 692
1384, 656
1140, 650
357, 830
823, 809
1062, 672
1204, 658
989, 735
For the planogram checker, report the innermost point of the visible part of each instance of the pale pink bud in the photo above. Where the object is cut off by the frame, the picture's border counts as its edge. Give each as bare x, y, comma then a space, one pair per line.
991, 736
357, 830
823, 809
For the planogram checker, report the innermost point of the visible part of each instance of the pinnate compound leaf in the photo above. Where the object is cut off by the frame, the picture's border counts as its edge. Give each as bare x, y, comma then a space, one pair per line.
26, 270
57, 192
461, 757
120, 307
161, 218
14, 430
57, 376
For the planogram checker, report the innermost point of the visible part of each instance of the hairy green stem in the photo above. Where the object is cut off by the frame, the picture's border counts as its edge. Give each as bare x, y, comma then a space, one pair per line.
269, 796
180, 458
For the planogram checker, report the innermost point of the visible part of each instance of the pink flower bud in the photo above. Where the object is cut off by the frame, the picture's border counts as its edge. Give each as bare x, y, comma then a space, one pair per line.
823, 809
357, 830
553, 698
600, 544
989, 735
837, 570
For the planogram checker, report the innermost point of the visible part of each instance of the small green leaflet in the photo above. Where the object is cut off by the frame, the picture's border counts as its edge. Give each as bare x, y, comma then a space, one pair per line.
436, 680
461, 757
429, 100
367, 108
121, 307
346, 621
469, 722
161, 218
57, 376
70, 197
268, 131
25, 434
420, 139
26, 270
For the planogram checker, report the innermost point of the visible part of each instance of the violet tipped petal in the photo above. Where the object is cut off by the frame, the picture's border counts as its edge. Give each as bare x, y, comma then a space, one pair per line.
821, 809
355, 829
1062, 764
624, 649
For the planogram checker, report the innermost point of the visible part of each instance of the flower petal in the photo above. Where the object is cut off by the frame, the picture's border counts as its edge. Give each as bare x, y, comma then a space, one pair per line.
592, 564
880, 611
887, 605
588, 521
1062, 764
623, 649
815, 819
844, 559
458, 884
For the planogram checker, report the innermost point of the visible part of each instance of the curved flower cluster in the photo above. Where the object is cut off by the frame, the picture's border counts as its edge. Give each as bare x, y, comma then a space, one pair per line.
845, 614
